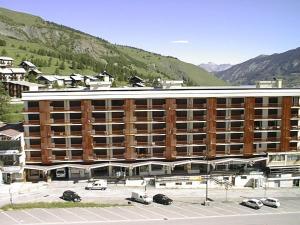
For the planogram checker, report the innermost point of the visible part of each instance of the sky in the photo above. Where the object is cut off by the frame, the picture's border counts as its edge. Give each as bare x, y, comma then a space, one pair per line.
195, 31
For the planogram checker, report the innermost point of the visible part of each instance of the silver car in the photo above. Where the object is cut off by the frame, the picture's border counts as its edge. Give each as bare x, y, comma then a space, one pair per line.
272, 202
253, 203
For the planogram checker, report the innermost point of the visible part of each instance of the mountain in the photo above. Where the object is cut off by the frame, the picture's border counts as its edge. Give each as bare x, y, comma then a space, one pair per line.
285, 65
57, 49
213, 67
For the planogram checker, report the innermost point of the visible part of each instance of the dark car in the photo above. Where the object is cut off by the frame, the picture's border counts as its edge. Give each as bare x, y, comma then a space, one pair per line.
162, 199
71, 196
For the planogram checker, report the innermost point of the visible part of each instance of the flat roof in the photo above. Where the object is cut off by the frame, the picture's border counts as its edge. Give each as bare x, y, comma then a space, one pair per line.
140, 93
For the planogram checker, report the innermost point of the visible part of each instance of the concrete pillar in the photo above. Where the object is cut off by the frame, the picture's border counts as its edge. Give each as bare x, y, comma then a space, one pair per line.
130, 171
110, 171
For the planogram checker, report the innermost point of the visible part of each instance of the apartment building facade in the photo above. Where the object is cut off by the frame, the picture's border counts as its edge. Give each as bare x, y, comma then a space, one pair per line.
141, 131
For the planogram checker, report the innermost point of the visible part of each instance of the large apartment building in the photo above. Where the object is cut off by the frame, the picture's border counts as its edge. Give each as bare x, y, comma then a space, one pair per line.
140, 131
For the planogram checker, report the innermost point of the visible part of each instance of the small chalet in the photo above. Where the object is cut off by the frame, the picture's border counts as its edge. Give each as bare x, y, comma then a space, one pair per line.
105, 76
27, 65
136, 81
48, 80
6, 61
9, 74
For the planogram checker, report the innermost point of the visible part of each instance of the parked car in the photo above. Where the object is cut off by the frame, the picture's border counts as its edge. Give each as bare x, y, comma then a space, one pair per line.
162, 199
97, 185
253, 203
71, 196
273, 202
142, 198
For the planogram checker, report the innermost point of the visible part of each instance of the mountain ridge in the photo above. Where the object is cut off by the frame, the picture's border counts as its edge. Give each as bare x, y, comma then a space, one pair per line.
60, 48
285, 65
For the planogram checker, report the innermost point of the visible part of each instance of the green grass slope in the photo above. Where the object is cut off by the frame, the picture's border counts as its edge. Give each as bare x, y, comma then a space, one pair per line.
57, 49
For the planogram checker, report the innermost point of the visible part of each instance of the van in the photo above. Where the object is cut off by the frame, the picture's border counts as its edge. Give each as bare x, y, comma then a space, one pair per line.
97, 185
142, 198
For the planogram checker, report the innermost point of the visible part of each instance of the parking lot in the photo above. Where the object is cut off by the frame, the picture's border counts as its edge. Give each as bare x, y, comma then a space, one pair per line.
140, 213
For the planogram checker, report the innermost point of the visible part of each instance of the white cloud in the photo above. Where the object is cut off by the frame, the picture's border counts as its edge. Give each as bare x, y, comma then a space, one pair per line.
180, 42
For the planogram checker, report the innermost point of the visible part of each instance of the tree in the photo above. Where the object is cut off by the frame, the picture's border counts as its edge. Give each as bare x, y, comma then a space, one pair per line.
2, 42
56, 71
62, 66
4, 101
3, 52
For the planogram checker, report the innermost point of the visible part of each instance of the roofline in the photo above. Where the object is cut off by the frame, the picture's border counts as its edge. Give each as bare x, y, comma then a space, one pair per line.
138, 93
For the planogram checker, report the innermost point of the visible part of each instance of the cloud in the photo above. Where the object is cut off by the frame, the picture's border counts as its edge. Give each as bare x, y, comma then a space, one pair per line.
180, 42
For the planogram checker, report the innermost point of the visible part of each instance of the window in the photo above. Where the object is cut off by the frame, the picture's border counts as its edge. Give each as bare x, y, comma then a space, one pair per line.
189, 183
277, 157
293, 157
162, 184
243, 177
178, 183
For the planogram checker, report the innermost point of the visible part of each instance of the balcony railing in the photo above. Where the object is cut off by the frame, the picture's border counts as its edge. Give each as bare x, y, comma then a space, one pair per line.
75, 121
33, 134
146, 107
118, 156
76, 157
32, 122
76, 133
35, 146
269, 105
232, 117
267, 117
237, 105
104, 145
101, 156
34, 159
229, 129
57, 108
231, 141
58, 133
269, 139
268, 128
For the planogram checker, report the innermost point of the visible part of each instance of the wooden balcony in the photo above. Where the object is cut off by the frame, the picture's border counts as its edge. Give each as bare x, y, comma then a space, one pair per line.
75, 121
62, 146
267, 117
146, 107
58, 133
269, 105
35, 146
232, 117
158, 131
33, 159
32, 122
76, 133
75, 108
268, 128
158, 154
101, 156
269, 139
76, 157
232, 106
33, 134
118, 156
101, 145
57, 108
231, 141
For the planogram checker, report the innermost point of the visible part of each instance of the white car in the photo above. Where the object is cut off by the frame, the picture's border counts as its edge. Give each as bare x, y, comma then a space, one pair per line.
97, 185
273, 202
253, 203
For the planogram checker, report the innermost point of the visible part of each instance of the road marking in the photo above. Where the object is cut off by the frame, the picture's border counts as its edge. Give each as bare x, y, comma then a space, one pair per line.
225, 210
52, 214
205, 209
189, 211
74, 214
152, 212
10, 217
115, 214
33, 216
134, 213
174, 219
95, 214
192, 210
169, 211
